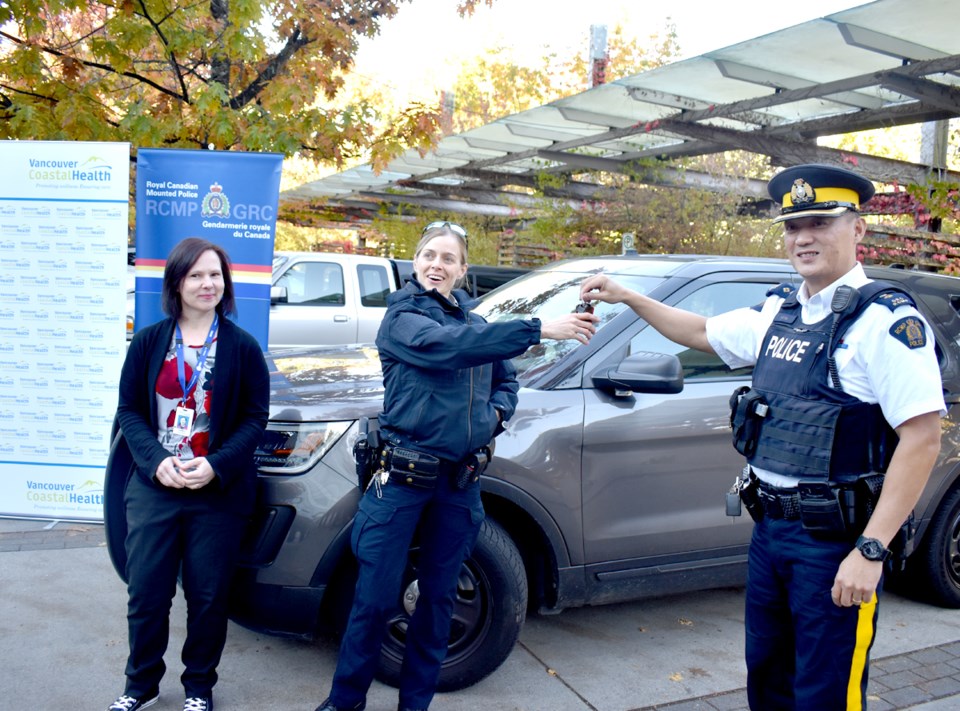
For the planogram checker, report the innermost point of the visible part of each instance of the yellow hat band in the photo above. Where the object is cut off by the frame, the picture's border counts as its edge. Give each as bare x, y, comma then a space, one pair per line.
844, 195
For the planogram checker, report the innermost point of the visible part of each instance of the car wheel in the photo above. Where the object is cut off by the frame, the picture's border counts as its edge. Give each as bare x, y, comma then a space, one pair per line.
120, 466
488, 613
933, 571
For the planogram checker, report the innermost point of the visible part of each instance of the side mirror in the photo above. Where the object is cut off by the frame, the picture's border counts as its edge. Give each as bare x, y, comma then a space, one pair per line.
278, 295
642, 373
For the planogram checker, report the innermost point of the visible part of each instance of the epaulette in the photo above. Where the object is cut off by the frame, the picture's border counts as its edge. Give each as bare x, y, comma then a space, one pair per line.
782, 290
894, 299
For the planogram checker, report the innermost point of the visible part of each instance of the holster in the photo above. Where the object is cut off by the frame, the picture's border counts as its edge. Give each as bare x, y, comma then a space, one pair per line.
750, 496
838, 511
365, 453
824, 509
472, 467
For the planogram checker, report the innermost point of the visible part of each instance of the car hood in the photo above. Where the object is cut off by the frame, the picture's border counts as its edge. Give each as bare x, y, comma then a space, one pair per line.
325, 383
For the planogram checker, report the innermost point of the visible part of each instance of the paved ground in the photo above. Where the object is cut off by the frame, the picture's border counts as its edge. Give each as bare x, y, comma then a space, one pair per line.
63, 645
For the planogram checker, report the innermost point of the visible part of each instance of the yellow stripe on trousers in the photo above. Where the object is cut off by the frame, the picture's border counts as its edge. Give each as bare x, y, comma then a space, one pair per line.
865, 634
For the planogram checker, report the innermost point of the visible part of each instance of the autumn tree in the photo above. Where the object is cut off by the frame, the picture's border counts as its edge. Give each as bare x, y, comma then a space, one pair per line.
231, 74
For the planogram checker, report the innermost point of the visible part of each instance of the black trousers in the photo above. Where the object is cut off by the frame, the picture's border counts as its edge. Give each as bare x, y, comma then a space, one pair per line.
169, 533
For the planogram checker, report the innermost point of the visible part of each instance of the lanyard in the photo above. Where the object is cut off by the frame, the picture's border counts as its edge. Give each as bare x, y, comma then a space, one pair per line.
201, 359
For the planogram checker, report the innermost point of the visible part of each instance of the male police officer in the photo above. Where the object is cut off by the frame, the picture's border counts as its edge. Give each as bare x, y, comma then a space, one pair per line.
846, 388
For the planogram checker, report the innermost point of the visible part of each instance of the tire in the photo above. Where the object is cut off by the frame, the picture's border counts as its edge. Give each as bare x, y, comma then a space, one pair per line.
933, 571
488, 615
120, 466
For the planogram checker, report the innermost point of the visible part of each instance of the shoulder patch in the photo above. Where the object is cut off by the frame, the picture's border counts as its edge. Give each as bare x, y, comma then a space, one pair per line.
894, 299
910, 331
782, 290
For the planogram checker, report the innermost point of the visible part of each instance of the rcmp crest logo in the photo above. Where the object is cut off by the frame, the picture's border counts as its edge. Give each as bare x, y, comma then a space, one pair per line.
910, 332
802, 193
215, 203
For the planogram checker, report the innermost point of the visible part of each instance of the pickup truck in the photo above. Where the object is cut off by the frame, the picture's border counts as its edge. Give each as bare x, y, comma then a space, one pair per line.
320, 298
329, 299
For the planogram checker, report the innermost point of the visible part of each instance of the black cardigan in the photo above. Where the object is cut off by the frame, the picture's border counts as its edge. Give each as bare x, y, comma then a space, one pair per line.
240, 408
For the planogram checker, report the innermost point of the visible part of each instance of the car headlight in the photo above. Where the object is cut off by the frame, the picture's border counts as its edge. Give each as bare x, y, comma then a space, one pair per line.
292, 448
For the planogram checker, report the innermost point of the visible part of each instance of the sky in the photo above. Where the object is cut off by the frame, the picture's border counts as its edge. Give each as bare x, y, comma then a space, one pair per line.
419, 51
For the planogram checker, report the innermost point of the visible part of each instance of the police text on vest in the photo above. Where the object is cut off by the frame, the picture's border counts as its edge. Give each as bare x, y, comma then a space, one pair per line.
783, 348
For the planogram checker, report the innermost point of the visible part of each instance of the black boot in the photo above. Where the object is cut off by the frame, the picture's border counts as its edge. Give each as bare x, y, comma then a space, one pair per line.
328, 705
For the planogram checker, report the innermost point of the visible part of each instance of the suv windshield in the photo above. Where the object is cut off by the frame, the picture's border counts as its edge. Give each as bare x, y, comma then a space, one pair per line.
547, 295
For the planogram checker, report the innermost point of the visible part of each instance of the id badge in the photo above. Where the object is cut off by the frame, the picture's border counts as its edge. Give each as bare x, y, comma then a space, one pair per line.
183, 422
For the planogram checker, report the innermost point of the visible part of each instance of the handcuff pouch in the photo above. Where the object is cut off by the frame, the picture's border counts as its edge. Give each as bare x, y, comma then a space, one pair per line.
747, 410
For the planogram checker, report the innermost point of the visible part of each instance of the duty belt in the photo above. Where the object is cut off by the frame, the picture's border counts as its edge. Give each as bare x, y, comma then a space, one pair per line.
407, 466
778, 502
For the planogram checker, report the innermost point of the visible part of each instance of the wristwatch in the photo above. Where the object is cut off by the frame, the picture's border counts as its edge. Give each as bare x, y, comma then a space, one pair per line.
872, 549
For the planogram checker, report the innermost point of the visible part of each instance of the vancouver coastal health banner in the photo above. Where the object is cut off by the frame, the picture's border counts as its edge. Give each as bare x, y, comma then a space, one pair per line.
226, 197
64, 209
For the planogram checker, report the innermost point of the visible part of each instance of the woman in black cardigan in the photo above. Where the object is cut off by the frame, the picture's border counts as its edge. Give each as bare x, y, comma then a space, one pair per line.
194, 402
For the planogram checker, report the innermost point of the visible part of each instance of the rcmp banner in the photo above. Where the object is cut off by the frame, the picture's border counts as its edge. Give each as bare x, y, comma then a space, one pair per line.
64, 226
229, 198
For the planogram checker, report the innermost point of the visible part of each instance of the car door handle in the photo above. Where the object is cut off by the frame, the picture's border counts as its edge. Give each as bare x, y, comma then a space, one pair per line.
340, 318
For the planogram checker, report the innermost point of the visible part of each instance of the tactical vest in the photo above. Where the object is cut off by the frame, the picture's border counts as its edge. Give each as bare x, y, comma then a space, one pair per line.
809, 428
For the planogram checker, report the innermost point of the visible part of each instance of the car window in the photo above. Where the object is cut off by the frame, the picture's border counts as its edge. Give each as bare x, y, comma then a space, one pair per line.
313, 283
708, 301
374, 285
548, 295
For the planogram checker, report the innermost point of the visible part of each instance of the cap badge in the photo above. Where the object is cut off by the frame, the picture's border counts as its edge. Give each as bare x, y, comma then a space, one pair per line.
801, 193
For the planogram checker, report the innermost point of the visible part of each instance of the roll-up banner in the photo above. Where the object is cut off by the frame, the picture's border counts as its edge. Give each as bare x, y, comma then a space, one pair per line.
64, 226
229, 198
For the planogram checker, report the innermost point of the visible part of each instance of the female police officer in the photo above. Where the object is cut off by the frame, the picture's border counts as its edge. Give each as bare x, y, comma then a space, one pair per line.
839, 414
448, 390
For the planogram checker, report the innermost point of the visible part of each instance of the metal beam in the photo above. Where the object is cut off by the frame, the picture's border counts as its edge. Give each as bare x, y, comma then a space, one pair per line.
927, 91
665, 176
786, 152
781, 82
901, 49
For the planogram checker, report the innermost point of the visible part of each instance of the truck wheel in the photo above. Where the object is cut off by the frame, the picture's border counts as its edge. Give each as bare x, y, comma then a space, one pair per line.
488, 613
933, 571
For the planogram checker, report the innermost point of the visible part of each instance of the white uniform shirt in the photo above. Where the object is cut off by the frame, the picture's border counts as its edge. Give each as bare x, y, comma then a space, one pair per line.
904, 381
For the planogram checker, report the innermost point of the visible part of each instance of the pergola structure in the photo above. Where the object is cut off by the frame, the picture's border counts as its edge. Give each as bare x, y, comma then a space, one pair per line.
882, 64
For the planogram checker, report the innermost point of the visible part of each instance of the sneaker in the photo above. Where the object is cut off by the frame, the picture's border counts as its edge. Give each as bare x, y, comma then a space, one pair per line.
198, 703
132, 703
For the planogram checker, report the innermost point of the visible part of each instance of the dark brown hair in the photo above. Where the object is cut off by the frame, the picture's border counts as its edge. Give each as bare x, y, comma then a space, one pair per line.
179, 262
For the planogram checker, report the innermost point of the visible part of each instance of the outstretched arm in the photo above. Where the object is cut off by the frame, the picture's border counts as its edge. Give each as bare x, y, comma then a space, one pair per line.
680, 326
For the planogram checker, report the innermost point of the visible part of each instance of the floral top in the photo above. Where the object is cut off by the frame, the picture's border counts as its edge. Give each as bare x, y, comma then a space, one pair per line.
199, 399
